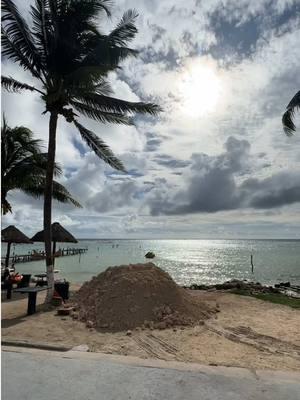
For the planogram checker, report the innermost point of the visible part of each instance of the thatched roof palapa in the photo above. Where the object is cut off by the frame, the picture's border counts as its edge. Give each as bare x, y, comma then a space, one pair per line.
11, 234
59, 234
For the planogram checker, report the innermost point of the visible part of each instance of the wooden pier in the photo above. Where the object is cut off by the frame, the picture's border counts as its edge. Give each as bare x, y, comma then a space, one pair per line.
38, 256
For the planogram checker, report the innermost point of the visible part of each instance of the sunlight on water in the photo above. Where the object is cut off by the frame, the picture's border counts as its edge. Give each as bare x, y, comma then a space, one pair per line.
188, 261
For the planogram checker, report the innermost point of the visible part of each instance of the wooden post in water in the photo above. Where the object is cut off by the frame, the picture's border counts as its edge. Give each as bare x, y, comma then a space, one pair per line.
252, 266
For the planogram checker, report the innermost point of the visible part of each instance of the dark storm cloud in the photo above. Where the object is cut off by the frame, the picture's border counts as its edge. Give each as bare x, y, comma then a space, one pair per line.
238, 37
278, 190
170, 162
214, 185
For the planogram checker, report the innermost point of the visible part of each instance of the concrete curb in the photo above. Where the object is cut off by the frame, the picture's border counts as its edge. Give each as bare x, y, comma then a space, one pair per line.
226, 371
39, 346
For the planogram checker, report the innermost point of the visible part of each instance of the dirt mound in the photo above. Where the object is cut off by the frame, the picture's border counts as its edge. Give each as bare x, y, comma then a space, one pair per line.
131, 296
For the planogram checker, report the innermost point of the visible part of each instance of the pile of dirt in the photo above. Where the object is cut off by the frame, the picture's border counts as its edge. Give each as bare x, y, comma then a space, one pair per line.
140, 295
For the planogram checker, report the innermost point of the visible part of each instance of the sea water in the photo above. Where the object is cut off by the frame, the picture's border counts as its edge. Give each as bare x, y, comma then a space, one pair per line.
187, 261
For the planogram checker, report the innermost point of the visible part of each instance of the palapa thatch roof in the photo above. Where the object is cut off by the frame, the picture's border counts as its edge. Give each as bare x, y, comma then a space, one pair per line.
11, 234
59, 234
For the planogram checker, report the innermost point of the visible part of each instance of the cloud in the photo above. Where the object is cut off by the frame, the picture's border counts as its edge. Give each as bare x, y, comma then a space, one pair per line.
278, 190
226, 166
113, 197
170, 162
215, 184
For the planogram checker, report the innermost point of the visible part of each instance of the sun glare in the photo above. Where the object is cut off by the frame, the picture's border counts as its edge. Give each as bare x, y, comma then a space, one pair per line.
200, 89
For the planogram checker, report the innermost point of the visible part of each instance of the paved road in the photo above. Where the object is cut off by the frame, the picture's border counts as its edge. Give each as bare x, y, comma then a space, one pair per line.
41, 375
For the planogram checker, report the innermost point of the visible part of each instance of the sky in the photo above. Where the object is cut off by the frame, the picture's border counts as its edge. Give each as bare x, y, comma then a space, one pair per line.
215, 163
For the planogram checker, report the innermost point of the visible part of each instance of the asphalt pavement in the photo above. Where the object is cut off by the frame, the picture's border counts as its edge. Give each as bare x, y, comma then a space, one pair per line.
29, 374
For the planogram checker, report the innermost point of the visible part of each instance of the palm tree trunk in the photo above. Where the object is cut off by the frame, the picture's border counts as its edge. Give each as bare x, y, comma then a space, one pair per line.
53, 252
7, 255
48, 204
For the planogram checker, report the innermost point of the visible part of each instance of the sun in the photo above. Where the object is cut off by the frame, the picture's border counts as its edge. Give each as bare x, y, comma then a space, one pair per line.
199, 89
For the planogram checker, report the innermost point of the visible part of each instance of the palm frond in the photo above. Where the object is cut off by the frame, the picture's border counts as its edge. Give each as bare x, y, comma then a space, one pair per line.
99, 147
89, 78
60, 193
101, 115
12, 51
90, 8
107, 55
289, 126
18, 32
41, 25
126, 30
111, 104
12, 85
5, 206
288, 123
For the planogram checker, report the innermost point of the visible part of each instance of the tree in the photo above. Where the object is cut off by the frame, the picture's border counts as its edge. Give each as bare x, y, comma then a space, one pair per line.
289, 126
71, 59
23, 167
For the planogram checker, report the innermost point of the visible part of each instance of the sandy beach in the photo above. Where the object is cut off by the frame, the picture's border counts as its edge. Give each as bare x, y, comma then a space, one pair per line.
246, 332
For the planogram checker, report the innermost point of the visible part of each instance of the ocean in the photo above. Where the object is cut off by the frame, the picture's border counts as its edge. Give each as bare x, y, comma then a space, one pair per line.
187, 261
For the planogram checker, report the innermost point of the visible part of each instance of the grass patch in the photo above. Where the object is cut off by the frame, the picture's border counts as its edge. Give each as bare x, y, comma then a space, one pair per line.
276, 298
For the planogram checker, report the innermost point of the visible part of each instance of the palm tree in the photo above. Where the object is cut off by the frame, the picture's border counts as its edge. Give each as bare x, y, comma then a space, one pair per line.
71, 59
23, 167
289, 126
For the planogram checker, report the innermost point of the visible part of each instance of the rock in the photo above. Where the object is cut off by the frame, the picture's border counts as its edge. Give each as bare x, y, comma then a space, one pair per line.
161, 325
64, 311
199, 287
128, 333
150, 254
274, 290
283, 284
75, 316
103, 326
168, 310
81, 347
89, 324
146, 324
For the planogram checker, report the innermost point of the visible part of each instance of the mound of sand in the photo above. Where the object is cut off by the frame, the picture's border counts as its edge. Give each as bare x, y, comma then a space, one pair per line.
131, 296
